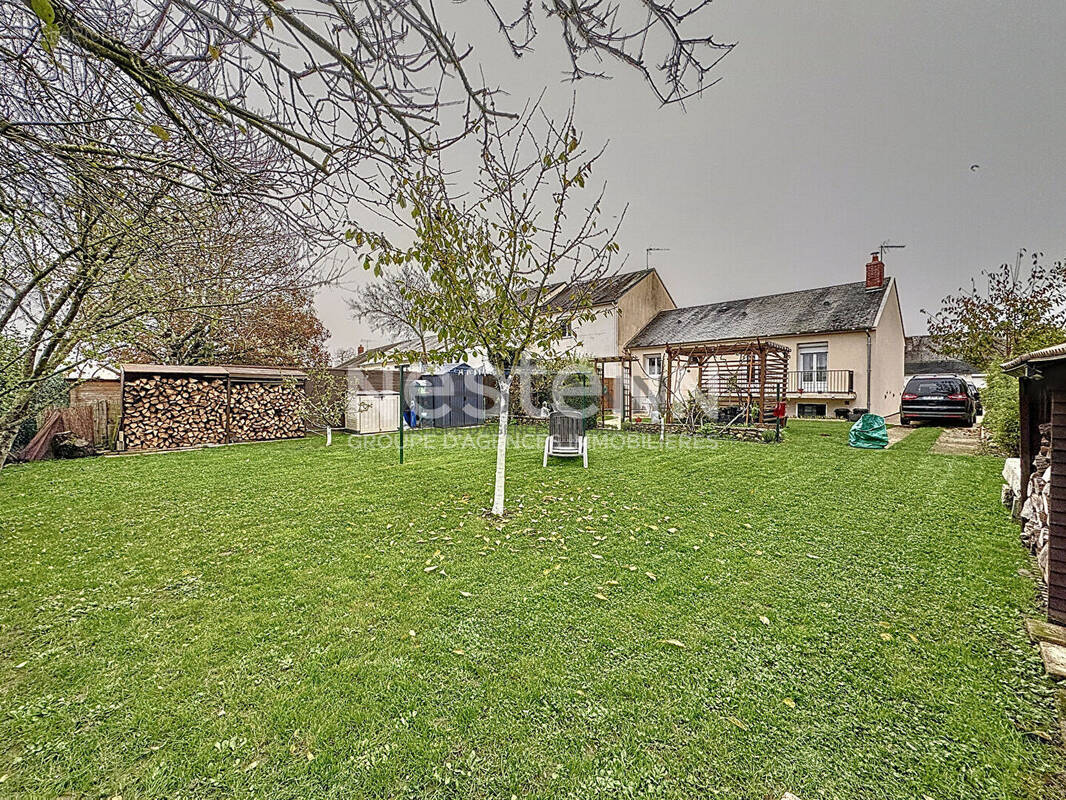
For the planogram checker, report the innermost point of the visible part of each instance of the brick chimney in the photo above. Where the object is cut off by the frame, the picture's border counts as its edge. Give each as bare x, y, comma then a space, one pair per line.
360, 350
875, 272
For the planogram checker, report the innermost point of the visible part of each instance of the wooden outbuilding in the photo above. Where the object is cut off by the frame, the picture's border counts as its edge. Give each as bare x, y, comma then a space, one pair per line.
1042, 405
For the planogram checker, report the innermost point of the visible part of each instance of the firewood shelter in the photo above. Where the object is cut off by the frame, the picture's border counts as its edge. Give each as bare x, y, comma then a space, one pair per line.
1042, 459
166, 406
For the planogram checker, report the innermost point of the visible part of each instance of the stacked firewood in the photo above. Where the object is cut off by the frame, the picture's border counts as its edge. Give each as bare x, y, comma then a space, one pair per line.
265, 411
162, 412
1035, 525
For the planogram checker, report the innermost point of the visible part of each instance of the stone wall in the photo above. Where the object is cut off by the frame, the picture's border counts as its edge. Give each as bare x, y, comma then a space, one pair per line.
1034, 514
743, 433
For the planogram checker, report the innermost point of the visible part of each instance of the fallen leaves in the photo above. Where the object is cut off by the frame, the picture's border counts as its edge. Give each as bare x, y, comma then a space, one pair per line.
651, 575
675, 643
764, 620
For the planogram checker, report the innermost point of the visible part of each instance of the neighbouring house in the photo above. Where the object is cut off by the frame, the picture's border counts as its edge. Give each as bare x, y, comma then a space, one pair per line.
1041, 473
920, 357
622, 305
845, 343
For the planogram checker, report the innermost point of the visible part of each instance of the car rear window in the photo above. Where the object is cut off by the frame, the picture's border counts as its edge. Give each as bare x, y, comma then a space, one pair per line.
942, 387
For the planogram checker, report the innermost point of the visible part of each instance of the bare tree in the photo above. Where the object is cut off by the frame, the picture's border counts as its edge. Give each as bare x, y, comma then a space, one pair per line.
120, 118
391, 305
347, 90
494, 254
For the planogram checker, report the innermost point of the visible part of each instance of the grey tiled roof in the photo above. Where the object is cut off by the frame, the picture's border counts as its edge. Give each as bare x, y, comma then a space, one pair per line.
847, 307
922, 358
601, 291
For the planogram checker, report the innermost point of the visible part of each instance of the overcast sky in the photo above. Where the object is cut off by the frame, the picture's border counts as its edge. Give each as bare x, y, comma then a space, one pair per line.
835, 126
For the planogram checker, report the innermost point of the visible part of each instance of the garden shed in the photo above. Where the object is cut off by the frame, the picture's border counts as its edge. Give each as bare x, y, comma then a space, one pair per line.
1042, 406
167, 406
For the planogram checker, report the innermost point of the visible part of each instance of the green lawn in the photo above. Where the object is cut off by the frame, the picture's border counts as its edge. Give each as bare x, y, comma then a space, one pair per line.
263, 621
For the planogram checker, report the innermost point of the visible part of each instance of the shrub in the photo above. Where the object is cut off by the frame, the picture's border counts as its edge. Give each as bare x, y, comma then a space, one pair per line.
1000, 399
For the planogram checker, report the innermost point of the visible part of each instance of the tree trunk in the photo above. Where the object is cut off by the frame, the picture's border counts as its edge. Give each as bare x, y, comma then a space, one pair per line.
501, 446
7, 438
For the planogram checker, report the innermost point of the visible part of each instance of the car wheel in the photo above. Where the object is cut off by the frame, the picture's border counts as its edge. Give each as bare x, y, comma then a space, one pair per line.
905, 422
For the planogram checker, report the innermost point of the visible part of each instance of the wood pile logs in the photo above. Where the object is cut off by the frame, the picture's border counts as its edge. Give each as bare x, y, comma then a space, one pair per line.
265, 411
169, 411
164, 412
1036, 527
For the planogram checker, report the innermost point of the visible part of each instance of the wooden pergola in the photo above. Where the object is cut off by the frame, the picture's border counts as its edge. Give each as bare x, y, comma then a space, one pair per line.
744, 373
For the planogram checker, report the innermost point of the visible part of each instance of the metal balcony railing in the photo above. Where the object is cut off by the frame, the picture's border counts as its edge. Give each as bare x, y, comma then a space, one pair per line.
821, 381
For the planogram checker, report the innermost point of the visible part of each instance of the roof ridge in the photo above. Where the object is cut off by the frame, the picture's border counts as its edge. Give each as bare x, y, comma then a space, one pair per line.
836, 308
773, 294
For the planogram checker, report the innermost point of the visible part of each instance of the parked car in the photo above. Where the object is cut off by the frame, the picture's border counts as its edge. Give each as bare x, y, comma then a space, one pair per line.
976, 397
939, 398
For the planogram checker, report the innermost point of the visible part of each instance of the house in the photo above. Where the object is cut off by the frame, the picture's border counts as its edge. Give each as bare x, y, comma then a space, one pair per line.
622, 304
845, 343
920, 357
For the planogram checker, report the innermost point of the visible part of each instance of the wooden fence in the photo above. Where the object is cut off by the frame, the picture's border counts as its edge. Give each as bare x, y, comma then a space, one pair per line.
88, 421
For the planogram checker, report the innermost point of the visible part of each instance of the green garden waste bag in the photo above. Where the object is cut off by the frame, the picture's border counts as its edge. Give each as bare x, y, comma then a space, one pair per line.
869, 433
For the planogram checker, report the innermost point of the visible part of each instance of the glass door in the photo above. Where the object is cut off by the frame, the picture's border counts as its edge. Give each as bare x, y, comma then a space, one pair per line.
814, 363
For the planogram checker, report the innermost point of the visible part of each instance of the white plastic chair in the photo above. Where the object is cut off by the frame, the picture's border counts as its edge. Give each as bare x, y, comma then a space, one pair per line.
566, 437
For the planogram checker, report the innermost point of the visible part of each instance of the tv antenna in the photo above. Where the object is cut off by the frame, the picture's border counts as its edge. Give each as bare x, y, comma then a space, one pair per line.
1018, 265
649, 250
886, 245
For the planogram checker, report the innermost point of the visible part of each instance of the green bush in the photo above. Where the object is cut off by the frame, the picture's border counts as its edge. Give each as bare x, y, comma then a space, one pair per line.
1000, 399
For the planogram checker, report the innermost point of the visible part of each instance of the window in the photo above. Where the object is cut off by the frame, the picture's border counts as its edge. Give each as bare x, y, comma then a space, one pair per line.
810, 409
653, 366
935, 387
814, 363
566, 329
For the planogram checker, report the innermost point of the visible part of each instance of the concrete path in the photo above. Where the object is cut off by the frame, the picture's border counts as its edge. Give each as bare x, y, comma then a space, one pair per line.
959, 441
897, 433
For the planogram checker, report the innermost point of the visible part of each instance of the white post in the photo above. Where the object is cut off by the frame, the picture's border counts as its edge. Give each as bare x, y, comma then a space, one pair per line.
329, 436
501, 446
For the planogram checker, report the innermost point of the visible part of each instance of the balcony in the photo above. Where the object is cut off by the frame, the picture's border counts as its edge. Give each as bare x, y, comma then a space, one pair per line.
821, 383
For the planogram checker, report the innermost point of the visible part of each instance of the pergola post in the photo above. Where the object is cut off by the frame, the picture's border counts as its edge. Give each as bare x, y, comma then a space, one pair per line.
669, 383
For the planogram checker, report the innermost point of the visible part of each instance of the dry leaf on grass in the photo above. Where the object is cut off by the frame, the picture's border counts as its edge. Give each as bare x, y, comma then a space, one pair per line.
675, 643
